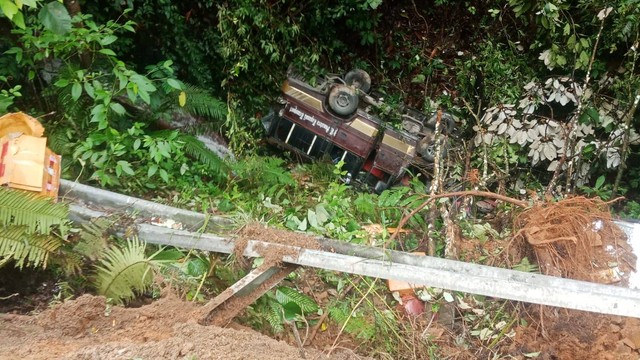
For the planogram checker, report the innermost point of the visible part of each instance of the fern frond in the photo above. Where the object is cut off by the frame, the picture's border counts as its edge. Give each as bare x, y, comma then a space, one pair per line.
123, 272
25, 248
355, 325
76, 110
58, 139
286, 295
270, 170
274, 317
38, 214
70, 262
93, 239
200, 102
196, 149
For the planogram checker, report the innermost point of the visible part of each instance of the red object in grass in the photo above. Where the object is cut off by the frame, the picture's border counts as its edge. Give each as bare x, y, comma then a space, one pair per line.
412, 306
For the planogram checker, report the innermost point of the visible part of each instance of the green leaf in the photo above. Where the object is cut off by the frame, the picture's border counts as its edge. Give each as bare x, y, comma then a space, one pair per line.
136, 144
174, 84
18, 19
420, 78
152, 170
132, 91
9, 8
76, 91
117, 108
303, 225
108, 52
61, 83
590, 115
291, 311
109, 39
311, 216
286, 295
197, 267
584, 57
126, 167
99, 115
561, 60
171, 254
144, 96
164, 175
54, 17
599, 182
90, 90
374, 3
322, 214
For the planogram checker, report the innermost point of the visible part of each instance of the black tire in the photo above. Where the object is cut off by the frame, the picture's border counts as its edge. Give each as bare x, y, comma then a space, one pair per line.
380, 187
447, 122
427, 148
343, 100
359, 79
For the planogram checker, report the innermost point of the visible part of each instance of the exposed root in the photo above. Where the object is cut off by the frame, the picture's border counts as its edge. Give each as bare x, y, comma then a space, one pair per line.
573, 238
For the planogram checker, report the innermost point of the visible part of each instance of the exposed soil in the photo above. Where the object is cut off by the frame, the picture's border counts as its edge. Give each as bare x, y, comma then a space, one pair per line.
565, 334
257, 231
87, 328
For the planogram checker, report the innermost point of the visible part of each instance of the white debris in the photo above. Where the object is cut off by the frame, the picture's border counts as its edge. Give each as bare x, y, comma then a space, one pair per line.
597, 225
632, 230
167, 223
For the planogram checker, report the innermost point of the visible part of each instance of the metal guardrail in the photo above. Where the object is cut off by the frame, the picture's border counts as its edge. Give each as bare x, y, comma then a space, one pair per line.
385, 264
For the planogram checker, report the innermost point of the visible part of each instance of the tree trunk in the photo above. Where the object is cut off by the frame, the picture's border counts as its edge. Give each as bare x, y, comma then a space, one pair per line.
73, 7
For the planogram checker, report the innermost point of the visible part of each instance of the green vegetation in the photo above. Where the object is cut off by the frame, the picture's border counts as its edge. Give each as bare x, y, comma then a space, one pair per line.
546, 93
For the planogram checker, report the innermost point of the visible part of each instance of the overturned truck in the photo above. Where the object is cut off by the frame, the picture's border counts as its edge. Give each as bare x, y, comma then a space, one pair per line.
333, 121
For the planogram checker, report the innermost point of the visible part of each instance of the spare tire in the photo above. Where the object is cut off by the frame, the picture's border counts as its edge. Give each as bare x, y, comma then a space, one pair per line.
359, 79
343, 100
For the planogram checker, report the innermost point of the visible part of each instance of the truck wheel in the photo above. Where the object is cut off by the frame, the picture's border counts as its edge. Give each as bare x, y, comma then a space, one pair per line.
359, 79
427, 146
447, 122
380, 187
343, 100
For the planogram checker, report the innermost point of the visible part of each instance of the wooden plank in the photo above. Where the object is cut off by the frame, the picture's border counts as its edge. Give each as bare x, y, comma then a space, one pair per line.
228, 304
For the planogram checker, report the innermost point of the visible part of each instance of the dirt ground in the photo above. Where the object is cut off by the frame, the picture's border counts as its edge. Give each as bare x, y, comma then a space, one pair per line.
86, 328
565, 334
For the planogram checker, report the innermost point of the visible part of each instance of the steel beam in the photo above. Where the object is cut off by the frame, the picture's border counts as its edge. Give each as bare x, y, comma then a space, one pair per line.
98, 199
421, 270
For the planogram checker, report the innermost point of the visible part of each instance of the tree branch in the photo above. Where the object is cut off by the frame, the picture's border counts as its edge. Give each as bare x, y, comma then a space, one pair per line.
404, 220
